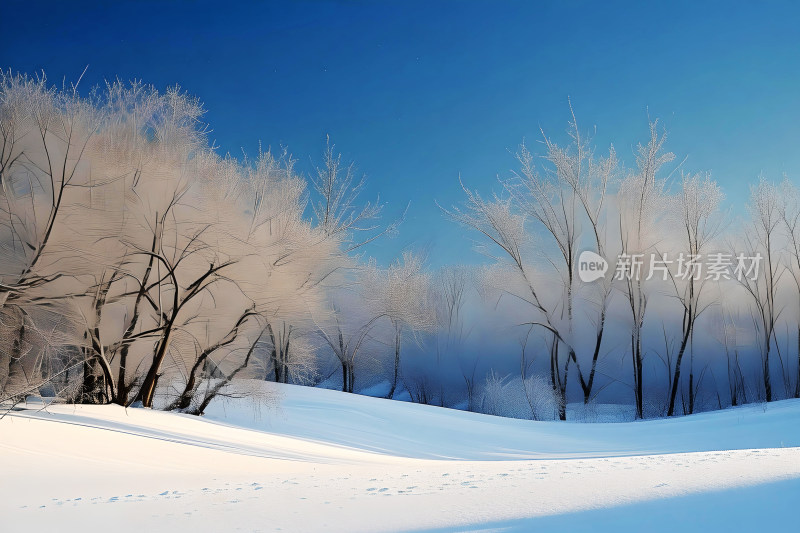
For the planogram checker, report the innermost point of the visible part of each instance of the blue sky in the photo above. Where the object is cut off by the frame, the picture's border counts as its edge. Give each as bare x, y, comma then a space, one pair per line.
420, 92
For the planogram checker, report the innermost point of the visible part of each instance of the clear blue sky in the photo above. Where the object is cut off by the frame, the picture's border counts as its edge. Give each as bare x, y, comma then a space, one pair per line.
420, 92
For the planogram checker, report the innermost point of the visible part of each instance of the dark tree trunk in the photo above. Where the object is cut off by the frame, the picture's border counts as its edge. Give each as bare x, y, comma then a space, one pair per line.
148, 389
351, 378
91, 388
767, 380
636, 349
797, 383
123, 389
677, 375
396, 362
276, 366
587, 391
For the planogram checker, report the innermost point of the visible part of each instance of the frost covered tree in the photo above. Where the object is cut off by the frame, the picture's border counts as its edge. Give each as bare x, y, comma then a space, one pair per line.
695, 208
348, 335
402, 293
44, 133
790, 216
567, 199
398, 297
641, 201
561, 200
136, 256
450, 286
762, 238
337, 208
340, 215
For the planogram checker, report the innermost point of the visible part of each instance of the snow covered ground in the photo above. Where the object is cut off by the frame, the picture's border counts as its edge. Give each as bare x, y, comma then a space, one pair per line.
327, 461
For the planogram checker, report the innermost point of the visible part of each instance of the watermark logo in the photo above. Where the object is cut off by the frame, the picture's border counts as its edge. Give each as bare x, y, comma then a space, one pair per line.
591, 266
644, 267
713, 267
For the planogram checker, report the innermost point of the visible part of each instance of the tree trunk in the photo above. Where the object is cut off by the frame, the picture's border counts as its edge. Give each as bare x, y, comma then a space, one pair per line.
677, 375
148, 389
285, 357
587, 391
91, 392
351, 379
636, 349
276, 365
559, 388
767, 380
123, 390
396, 361
797, 383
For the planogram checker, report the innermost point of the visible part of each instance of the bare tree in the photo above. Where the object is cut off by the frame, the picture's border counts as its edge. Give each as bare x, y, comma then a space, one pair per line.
450, 292
402, 292
761, 238
336, 209
348, 340
696, 209
727, 335
568, 194
640, 202
790, 215
496, 220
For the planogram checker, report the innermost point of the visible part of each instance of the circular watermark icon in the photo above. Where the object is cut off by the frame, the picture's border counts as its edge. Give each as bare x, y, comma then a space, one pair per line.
591, 266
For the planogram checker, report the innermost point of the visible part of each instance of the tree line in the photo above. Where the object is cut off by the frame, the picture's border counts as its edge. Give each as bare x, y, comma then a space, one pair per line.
140, 267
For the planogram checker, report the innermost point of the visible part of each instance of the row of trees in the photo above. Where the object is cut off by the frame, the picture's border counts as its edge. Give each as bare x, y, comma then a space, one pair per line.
139, 266
729, 278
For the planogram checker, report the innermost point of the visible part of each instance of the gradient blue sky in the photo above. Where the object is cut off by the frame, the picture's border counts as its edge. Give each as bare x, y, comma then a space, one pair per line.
420, 92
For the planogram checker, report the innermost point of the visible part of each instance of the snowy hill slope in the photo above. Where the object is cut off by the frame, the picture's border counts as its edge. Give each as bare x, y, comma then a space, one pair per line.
327, 461
422, 431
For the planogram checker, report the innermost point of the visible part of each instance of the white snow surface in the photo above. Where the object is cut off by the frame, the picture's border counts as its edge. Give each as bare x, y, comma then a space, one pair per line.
328, 461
